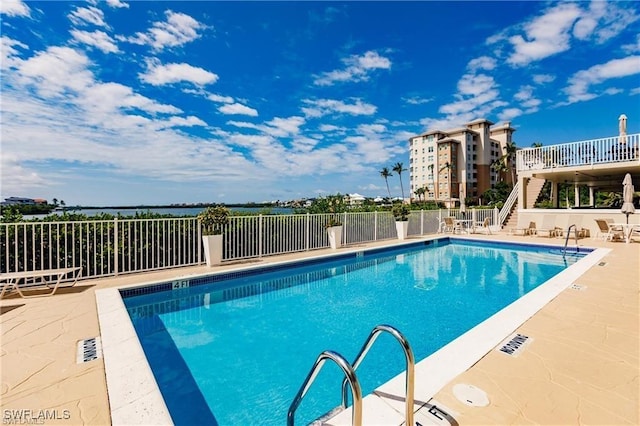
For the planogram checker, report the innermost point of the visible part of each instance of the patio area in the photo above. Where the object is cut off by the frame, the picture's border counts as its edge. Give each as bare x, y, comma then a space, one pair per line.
580, 365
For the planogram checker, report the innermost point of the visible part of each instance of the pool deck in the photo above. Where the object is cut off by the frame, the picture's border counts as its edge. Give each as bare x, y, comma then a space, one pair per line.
580, 365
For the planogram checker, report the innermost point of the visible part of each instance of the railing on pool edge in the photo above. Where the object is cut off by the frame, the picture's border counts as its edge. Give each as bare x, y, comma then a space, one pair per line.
350, 375
352, 379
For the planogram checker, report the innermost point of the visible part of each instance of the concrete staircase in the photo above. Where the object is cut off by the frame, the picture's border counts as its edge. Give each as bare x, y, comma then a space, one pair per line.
534, 187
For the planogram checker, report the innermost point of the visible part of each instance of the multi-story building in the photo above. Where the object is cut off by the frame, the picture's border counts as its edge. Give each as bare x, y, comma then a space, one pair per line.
456, 163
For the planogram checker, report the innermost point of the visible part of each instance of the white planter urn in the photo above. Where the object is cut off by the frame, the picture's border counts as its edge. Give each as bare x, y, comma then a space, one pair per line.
402, 228
335, 236
212, 249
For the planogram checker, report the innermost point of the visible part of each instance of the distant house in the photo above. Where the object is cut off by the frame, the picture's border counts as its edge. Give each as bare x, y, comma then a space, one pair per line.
14, 201
355, 199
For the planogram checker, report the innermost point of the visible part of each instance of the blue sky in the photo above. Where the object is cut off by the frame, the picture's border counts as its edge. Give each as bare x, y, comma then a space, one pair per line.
124, 103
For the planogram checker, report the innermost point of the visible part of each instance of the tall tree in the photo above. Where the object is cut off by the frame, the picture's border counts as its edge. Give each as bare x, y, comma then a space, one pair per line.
398, 168
509, 159
386, 174
447, 166
500, 166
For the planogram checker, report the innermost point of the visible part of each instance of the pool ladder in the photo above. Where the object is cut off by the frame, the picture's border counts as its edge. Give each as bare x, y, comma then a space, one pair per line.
566, 239
349, 371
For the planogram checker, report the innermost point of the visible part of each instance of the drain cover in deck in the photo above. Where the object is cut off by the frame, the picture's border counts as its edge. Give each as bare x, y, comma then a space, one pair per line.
471, 395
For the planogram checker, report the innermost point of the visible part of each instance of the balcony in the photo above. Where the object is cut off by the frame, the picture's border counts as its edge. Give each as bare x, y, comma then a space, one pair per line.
598, 163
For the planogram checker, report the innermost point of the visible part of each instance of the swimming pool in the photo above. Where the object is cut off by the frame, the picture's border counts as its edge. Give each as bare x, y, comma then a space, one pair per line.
237, 349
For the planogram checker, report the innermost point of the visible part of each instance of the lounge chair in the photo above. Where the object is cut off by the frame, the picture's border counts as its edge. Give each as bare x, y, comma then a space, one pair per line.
529, 230
547, 229
38, 280
450, 224
609, 232
577, 221
483, 226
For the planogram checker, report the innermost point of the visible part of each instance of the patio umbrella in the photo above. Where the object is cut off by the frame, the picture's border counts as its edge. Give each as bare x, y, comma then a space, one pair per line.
627, 196
463, 206
622, 126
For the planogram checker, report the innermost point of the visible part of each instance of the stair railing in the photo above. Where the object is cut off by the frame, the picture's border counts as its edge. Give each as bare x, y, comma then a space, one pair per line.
508, 204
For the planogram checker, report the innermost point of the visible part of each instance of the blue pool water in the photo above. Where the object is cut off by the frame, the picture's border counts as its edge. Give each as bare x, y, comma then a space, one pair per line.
235, 351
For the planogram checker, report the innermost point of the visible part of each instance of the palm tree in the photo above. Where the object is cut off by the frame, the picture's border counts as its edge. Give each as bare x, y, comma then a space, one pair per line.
508, 157
399, 169
433, 186
420, 192
386, 174
55, 201
500, 166
447, 166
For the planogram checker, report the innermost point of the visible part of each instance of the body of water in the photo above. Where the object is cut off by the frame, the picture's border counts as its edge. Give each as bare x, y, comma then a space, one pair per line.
175, 211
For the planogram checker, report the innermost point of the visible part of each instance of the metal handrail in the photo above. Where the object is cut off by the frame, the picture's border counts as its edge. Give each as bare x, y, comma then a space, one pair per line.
508, 204
350, 376
409, 371
566, 239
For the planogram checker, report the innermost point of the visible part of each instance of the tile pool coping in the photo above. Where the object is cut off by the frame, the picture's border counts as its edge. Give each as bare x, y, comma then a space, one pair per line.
135, 398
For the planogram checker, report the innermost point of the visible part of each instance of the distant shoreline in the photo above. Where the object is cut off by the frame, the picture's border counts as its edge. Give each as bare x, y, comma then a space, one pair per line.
173, 206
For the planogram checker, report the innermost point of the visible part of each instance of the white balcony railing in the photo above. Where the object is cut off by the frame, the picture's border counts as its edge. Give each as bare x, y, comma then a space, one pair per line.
614, 149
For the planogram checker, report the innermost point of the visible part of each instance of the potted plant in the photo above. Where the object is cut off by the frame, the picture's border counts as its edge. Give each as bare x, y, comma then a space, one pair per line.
401, 214
335, 206
334, 231
212, 221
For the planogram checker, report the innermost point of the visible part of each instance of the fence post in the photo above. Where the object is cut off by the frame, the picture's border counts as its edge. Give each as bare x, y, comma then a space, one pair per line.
421, 221
344, 227
495, 217
308, 231
375, 225
116, 263
260, 230
199, 241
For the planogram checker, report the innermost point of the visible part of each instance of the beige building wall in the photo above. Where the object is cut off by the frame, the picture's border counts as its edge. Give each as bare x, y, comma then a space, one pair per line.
470, 149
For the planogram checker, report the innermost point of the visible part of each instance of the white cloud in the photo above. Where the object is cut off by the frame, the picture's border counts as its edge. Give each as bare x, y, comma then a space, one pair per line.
238, 109
321, 107
635, 91
117, 4
159, 75
543, 78
604, 20
177, 30
580, 83
14, 8
509, 114
88, 15
98, 39
219, 98
358, 69
9, 54
55, 71
482, 63
180, 122
19, 179
632, 47
417, 101
329, 128
280, 127
544, 36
